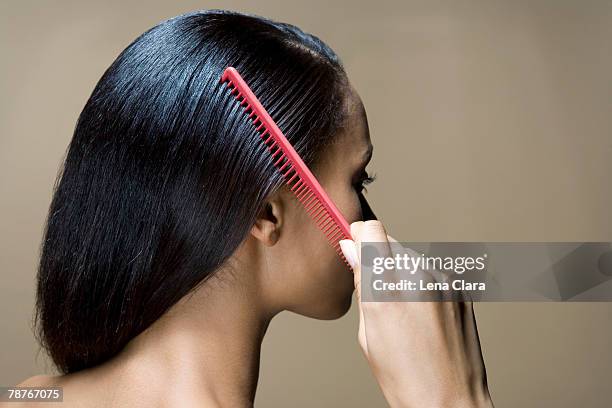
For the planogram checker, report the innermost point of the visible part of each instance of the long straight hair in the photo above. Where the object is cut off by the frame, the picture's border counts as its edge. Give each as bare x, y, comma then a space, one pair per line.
165, 175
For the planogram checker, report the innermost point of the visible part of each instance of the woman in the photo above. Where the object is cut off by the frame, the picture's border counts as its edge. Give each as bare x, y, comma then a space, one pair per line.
172, 241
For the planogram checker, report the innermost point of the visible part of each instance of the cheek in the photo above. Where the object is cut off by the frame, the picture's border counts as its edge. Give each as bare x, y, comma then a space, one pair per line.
350, 206
324, 262
322, 284
348, 202
323, 258
312, 245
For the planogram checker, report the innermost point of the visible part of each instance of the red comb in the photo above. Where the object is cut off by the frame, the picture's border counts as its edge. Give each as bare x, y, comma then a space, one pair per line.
297, 175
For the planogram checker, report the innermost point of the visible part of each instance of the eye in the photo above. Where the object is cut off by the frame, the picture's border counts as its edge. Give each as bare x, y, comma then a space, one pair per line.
364, 181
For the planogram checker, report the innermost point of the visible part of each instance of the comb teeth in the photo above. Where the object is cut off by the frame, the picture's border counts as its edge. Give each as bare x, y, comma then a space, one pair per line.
297, 176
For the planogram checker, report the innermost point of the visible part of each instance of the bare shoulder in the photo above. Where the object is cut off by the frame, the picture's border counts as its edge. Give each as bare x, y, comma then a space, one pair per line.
41, 380
129, 388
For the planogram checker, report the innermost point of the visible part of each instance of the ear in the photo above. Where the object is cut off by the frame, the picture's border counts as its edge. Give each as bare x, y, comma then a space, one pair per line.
269, 222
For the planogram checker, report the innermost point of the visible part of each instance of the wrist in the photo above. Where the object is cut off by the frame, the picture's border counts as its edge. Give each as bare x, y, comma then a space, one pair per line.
476, 399
480, 399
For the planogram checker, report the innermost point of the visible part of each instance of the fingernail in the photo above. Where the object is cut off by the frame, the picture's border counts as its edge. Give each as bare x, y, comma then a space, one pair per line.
350, 252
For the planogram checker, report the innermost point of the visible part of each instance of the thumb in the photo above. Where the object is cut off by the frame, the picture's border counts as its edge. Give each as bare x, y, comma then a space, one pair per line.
350, 251
353, 254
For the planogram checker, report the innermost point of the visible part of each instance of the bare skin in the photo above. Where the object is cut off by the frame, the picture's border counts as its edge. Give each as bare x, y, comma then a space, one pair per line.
205, 350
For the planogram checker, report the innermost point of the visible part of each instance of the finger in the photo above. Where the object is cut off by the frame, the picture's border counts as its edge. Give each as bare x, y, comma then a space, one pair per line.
374, 231
471, 330
421, 275
350, 253
361, 333
356, 232
371, 234
397, 247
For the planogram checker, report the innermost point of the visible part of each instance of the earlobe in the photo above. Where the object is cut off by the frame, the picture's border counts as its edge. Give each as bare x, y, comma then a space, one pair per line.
268, 223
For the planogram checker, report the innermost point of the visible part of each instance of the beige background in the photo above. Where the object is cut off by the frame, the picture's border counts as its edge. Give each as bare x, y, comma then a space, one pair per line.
491, 121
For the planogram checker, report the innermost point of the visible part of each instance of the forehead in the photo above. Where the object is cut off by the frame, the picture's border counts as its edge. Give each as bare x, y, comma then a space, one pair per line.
351, 144
355, 136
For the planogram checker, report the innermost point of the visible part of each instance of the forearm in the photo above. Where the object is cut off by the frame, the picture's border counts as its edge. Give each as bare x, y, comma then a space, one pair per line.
397, 398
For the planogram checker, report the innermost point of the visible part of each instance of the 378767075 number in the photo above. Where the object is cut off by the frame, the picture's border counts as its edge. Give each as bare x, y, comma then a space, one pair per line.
31, 394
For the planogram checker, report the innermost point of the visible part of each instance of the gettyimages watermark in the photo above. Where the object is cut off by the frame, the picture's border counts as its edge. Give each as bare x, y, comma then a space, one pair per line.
486, 271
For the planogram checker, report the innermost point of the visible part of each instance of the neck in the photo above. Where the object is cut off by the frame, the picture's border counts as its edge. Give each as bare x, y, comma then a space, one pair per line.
209, 343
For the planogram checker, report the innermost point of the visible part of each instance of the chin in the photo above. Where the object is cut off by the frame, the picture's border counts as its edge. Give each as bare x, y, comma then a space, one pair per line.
340, 302
332, 306
340, 309
328, 295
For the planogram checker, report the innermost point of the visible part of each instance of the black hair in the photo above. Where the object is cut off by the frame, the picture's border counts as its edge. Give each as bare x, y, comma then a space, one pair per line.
165, 175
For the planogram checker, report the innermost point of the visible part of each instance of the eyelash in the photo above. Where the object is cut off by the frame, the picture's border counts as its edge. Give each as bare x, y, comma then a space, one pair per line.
360, 186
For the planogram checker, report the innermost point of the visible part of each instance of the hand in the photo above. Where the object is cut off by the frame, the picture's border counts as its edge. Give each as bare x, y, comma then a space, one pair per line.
423, 354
